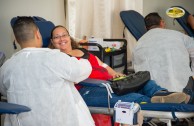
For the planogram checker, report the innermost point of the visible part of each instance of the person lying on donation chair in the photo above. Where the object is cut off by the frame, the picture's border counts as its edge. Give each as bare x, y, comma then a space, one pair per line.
43, 79
151, 92
190, 21
167, 54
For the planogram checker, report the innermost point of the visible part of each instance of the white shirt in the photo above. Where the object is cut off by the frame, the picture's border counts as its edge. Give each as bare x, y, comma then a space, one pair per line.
43, 79
166, 54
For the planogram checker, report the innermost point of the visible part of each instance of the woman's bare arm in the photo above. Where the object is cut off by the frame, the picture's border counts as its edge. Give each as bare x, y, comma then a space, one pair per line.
112, 72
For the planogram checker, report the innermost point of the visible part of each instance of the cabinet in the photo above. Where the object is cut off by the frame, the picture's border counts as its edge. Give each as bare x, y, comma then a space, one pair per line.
116, 58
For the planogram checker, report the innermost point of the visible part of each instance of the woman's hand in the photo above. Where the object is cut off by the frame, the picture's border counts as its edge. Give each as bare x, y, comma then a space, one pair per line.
118, 75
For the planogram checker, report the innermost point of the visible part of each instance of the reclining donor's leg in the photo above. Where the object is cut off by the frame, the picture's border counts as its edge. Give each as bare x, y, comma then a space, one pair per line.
176, 97
189, 90
162, 95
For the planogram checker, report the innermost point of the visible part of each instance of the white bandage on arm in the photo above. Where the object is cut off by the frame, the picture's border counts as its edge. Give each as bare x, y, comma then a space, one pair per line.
104, 65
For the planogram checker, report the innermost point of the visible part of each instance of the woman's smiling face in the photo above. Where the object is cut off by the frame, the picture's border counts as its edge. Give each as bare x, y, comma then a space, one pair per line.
61, 39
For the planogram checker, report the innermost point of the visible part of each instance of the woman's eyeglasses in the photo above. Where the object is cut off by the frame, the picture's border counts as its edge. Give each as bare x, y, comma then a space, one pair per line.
62, 36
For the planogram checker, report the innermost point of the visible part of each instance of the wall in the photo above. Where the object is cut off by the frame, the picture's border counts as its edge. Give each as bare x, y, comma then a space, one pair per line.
52, 10
161, 6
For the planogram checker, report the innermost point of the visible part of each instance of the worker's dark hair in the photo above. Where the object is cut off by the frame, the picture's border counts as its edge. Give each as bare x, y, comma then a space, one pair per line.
152, 20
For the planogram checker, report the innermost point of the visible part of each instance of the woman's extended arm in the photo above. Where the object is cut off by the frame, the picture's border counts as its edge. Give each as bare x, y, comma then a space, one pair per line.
112, 72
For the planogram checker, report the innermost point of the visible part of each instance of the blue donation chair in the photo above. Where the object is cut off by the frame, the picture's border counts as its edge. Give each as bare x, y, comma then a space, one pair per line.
134, 23
183, 22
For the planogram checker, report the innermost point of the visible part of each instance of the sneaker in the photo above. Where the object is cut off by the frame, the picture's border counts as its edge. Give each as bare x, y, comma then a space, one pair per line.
169, 97
189, 89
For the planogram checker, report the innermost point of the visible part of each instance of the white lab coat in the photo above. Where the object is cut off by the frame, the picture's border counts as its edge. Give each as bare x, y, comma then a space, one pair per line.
42, 79
166, 54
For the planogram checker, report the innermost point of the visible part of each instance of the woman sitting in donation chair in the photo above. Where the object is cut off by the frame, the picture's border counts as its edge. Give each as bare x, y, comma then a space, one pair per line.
151, 92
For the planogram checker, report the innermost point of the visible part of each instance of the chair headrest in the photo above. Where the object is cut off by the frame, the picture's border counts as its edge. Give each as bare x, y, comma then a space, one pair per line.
183, 22
134, 22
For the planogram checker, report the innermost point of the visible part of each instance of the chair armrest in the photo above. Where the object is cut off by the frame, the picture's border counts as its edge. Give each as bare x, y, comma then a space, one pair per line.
10, 108
93, 82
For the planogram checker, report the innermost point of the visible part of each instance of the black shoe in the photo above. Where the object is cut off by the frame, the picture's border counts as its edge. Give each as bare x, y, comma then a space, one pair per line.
189, 89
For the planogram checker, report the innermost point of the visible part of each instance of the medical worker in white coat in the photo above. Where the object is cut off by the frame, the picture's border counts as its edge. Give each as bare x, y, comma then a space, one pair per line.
43, 79
167, 54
